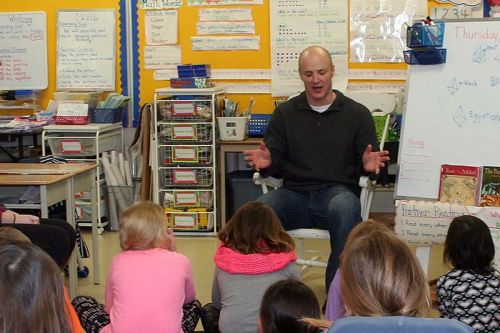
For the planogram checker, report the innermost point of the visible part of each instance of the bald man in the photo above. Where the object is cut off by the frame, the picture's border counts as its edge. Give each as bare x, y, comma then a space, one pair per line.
319, 142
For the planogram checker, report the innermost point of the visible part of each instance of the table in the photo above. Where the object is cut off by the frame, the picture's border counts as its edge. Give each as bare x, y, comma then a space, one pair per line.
57, 182
19, 136
231, 147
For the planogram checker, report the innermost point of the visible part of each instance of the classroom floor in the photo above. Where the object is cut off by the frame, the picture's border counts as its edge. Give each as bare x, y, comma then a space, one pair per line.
200, 251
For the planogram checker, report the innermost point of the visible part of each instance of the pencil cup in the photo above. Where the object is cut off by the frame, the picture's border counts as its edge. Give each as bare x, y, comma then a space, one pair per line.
233, 128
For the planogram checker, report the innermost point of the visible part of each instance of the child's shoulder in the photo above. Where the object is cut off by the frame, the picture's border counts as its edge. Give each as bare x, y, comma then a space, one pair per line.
150, 254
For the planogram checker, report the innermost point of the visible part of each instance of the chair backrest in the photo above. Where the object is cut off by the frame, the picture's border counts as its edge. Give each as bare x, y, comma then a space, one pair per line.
398, 324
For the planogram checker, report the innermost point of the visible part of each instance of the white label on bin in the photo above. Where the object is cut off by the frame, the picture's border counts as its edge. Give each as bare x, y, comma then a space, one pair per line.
71, 147
183, 132
186, 154
184, 220
72, 109
186, 199
182, 109
185, 177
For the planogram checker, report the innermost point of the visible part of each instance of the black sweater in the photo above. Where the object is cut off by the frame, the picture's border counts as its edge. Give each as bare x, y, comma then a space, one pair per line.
313, 150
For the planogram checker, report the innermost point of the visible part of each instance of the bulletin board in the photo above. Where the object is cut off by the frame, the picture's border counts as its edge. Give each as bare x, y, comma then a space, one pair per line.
50, 9
86, 50
188, 16
23, 51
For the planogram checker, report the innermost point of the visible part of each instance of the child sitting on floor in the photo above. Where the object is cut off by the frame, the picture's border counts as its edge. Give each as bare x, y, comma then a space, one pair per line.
255, 252
150, 286
290, 306
470, 292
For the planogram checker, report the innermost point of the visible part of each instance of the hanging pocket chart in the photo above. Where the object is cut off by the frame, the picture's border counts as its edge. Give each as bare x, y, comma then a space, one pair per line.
23, 51
86, 50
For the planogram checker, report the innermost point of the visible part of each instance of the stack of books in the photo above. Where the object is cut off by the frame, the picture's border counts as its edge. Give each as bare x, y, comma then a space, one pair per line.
470, 185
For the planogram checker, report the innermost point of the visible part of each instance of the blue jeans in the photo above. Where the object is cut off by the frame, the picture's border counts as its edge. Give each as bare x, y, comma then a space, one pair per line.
335, 208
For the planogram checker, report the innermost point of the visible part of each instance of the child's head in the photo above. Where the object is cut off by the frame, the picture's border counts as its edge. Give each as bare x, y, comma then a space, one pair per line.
255, 228
12, 234
469, 244
380, 276
284, 306
31, 290
143, 226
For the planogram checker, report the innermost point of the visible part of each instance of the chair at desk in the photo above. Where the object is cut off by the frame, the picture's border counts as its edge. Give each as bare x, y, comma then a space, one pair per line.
382, 105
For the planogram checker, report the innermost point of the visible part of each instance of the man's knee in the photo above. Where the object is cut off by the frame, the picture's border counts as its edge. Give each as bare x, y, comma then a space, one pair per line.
345, 204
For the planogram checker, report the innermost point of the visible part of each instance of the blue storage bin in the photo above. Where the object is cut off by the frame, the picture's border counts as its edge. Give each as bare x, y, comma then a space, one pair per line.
425, 56
106, 115
257, 124
421, 35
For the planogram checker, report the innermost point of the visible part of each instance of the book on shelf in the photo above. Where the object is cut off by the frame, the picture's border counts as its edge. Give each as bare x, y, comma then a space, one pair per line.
490, 186
459, 184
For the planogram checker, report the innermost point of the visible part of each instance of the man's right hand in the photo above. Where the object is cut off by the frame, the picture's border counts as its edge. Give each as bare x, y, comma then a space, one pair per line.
258, 158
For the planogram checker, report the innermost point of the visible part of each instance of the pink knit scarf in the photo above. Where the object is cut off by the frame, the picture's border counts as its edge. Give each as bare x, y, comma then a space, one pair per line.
234, 262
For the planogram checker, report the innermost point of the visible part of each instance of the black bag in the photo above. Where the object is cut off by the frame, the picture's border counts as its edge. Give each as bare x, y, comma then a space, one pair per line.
210, 318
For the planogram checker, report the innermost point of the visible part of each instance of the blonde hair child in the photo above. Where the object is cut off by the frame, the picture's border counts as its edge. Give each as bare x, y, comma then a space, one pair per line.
150, 287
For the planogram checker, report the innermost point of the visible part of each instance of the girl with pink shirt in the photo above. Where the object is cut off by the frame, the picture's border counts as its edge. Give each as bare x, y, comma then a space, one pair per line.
150, 286
255, 253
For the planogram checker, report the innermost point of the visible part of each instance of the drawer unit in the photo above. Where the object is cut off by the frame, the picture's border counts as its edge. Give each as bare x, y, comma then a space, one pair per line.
186, 155
186, 178
184, 166
200, 133
80, 144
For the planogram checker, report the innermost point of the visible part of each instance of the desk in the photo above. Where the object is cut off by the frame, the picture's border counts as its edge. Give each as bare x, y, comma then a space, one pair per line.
57, 182
19, 136
231, 147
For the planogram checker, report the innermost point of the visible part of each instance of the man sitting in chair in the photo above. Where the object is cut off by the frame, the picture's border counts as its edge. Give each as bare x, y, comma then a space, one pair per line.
319, 142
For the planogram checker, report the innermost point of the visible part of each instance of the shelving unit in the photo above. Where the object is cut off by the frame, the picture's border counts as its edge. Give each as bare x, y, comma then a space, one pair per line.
83, 143
184, 168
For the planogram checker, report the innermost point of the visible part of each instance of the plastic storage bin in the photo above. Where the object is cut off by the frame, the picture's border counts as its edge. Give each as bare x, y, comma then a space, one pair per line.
257, 124
421, 35
186, 155
180, 199
185, 110
426, 56
80, 144
185, 133
189, 220
186, 178
233, 128
106, 116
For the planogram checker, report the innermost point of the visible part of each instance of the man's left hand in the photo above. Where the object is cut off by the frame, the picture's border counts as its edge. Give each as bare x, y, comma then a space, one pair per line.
373, 161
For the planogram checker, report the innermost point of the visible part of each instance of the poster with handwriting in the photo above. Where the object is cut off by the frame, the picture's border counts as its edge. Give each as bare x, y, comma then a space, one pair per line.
452, 111
296, 25
86, 50
23, 50
426, 223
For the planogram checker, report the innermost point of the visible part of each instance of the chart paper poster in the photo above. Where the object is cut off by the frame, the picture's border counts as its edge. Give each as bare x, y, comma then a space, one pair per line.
296, 25
378, 30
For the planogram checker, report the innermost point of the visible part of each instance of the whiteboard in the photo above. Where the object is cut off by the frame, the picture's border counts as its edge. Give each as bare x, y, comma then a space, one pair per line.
453, 109
23, 51
86, 50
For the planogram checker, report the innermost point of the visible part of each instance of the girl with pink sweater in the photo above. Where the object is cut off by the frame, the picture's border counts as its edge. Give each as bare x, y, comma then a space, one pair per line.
150, 286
